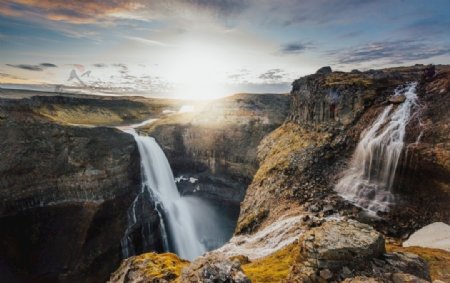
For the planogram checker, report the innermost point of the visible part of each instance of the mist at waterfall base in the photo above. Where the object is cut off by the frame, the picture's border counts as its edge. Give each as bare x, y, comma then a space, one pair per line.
368, 183
188, 225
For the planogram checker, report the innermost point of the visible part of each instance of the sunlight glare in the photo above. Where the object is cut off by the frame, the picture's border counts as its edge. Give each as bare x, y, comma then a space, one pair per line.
199, 71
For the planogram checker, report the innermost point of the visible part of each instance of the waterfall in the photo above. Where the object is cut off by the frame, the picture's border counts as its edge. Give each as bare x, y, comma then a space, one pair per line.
188, 224
369, 180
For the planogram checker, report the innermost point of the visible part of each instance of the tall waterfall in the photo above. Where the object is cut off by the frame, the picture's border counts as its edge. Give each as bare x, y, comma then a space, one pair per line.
187, 223
369, 180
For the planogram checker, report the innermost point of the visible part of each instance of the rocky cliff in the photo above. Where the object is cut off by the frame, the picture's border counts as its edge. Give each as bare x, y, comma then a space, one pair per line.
302, 160
294, 227
216, 143
64, 194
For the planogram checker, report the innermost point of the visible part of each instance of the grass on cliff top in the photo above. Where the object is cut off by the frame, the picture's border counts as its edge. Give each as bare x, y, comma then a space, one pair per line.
167, 266
273, 268
339, 78
438, 260
276, 149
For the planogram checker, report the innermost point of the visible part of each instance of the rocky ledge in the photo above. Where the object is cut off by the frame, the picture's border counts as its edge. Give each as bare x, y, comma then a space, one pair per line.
337, 251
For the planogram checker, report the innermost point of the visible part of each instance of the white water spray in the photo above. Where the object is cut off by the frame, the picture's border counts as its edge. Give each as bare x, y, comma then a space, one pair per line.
368, 182
189, 226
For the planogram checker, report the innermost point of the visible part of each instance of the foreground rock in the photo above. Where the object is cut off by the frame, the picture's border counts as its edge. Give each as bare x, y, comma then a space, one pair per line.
435, 235
345, 249
165, 268
214, 269
150, 267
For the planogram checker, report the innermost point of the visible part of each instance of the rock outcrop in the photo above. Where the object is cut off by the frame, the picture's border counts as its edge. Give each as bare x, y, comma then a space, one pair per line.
166, 268
64, 194
214, 269
149, 267
345, 249
301, 161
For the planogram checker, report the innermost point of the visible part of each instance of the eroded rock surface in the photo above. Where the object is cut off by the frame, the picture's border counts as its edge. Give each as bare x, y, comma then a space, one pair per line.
347, 249
214, 269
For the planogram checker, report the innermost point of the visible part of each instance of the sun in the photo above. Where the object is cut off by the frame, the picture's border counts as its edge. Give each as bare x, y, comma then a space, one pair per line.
199, 71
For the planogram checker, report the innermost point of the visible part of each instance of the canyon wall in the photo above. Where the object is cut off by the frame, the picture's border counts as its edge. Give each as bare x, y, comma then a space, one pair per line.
64, 192
301, 161
217, 143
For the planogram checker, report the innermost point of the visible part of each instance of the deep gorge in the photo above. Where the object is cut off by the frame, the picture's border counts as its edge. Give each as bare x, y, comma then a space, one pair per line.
69, 191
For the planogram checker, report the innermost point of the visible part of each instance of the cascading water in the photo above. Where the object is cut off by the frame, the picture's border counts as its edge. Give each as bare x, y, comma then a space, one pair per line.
369, 180
188, 224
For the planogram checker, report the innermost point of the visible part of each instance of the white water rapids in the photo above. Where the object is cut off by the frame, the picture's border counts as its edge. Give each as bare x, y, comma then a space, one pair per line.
189, 226
369, 180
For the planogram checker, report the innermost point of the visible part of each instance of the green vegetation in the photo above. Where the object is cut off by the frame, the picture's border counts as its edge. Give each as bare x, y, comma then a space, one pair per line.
340, 78
277, 148
155, 267
273, 268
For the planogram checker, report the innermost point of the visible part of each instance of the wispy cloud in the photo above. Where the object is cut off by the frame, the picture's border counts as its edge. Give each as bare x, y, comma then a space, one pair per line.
392, 52
29, 67
296, 47
272, 75
146, 41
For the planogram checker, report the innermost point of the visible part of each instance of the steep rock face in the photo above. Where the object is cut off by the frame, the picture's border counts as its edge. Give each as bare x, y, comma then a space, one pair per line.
64, 196
216, 144
301, 161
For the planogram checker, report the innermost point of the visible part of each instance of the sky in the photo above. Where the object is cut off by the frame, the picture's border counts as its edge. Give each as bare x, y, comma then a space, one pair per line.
200, 49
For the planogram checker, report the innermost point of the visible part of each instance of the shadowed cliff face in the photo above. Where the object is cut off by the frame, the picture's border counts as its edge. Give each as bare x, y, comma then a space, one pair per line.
64, 196
216, 144
301, 161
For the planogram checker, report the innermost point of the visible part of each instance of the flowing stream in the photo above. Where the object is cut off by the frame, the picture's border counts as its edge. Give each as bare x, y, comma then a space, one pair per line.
369, 181
188, 225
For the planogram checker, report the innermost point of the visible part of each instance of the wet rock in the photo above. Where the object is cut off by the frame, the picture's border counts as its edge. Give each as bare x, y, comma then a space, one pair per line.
213, 268
397, 99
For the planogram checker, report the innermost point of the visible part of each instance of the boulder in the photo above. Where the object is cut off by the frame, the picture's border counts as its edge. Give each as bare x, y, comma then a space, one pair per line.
341, 243
324, 70
397, 99
353, 251
213, 268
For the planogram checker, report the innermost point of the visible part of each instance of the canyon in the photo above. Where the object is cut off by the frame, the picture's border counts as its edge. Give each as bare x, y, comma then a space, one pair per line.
271, 163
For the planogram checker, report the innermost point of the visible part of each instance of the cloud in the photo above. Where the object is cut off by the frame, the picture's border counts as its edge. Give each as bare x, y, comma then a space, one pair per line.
296, 47
146, 41
99, 65
94, 11
9, 76
272, 75
392, 52
29, 67
48, 65
75, 12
